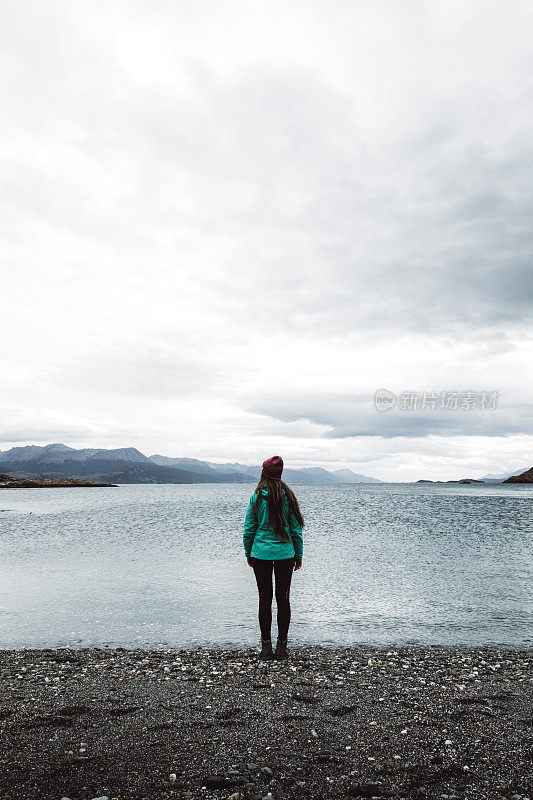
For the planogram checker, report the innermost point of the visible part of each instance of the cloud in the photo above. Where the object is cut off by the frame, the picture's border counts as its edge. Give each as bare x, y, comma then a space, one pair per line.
357, 418
202, 202
150, 369
43, 426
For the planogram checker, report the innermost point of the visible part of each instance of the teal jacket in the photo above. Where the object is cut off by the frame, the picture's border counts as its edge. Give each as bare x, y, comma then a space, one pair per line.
261, 542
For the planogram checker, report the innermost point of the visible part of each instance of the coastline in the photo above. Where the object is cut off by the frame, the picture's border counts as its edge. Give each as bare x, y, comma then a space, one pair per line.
409, 721
10, 482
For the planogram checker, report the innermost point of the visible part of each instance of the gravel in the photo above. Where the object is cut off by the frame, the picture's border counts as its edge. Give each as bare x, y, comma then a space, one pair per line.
399, 722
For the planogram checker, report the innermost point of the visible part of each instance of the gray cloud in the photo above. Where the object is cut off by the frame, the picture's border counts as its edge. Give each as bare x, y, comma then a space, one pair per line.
191, 192
348, 417
146, 369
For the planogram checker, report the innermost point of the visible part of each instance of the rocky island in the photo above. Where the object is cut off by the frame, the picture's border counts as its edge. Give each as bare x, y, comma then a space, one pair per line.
463, 480
8, 482
525, 477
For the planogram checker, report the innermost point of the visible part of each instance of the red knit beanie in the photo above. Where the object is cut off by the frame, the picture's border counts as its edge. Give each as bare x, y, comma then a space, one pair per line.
273, 467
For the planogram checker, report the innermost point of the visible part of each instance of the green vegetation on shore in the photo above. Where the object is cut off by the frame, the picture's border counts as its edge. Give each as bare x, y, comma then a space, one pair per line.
8, 482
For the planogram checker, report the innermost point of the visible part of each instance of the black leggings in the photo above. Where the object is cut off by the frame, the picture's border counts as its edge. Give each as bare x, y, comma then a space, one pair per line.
283, 569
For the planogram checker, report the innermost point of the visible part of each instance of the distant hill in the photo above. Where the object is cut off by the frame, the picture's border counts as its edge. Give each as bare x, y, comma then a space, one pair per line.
502, 476
347, 476
316, 474
303, 475
129, 465
123, 465
59, 453
191, 464
524, 477
202, 468
253, 471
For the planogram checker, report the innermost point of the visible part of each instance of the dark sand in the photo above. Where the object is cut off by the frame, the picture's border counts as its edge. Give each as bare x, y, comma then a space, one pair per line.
413, 722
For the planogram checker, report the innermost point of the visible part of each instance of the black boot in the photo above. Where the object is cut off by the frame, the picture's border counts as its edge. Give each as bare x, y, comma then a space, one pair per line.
266, 653
281, 649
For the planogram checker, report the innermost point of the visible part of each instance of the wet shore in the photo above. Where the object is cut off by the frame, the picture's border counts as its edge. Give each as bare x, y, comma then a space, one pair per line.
412, 722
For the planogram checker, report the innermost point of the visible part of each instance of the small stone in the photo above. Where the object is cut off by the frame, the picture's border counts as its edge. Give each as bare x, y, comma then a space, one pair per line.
267, 771
366, 790
172, 777
223, 782
448, 742
314, 733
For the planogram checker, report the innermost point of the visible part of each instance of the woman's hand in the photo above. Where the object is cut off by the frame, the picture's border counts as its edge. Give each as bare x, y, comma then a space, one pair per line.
297, 565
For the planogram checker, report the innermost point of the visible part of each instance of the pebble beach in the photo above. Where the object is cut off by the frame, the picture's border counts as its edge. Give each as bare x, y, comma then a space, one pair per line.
392, 722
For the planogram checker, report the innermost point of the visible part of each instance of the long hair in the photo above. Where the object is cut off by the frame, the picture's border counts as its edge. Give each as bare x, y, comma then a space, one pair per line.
275, 507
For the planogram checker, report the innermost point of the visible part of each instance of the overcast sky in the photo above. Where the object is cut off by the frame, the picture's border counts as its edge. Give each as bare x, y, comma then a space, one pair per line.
225, 225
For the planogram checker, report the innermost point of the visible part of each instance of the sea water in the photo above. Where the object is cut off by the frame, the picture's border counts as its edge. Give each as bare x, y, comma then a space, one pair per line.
164, 565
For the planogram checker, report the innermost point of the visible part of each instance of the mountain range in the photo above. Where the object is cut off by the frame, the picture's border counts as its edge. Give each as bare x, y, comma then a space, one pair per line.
129, 465
502, 476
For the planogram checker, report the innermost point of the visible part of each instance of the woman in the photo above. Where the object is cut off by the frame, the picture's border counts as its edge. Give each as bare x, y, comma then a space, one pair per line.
273, 540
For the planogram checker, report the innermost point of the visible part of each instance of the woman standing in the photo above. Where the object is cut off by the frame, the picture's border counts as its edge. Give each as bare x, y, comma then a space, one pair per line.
273, 541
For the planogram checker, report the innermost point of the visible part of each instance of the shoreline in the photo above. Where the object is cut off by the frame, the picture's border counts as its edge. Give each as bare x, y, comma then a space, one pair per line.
10, 482
413, 721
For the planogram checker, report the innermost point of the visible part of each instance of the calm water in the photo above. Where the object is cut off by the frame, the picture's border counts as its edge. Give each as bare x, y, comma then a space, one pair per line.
164, 565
